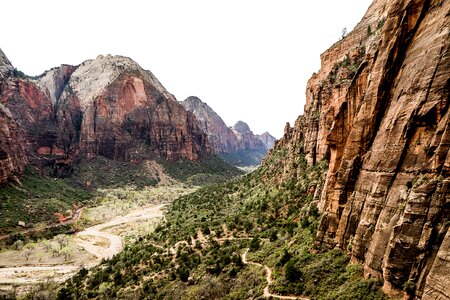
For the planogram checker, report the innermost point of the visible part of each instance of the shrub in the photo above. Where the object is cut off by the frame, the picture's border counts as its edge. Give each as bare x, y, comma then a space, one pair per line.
254, 244
291, 273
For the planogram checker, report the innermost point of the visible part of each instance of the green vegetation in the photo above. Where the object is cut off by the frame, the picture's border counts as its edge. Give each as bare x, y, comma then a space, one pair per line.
196, 254
242, 158
19, 74
211, 169
92, 173
37, 199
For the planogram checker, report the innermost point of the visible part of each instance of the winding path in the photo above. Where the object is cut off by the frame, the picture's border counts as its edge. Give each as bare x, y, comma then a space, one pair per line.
267, 293
90, 239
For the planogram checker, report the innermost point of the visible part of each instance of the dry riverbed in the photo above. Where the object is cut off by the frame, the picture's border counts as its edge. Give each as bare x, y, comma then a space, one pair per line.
119, 216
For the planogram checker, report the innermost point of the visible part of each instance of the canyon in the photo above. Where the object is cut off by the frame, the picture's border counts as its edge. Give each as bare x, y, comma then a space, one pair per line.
237, 144
362, 175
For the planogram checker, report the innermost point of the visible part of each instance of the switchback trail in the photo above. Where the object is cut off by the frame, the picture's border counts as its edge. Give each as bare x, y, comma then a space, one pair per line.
267, 293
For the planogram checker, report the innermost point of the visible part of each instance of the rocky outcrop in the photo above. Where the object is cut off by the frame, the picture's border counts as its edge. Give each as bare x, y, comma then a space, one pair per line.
53, 81
246, 138
127, 114
378, 112
109, 106
12, 154
237, 145
267, 139
220, 136
5, 66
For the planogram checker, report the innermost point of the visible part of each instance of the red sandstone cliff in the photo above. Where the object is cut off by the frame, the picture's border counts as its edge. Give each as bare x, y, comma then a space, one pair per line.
378, 111
12, 154
109, 106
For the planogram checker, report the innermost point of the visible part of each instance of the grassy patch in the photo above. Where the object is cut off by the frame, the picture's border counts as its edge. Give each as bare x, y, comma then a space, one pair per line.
211, 169
103, 172
242, 158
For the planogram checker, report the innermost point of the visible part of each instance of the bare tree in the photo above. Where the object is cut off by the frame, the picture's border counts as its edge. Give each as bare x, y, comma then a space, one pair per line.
344, 32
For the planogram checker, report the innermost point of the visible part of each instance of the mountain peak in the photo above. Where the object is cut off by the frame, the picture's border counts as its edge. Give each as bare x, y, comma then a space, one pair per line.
5, 65
241, 127
92, 76
267, 139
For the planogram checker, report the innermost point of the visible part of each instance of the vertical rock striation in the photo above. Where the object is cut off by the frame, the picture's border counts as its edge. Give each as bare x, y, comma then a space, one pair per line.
220, 136
108, 106
12, 154
378, 112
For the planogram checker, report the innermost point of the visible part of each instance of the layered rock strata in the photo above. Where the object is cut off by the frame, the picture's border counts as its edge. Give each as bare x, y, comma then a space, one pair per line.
108, 106
378, 112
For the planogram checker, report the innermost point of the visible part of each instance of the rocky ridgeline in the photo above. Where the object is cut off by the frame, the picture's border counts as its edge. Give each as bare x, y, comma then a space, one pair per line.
377, 111
267, 139
237, 139
109, 106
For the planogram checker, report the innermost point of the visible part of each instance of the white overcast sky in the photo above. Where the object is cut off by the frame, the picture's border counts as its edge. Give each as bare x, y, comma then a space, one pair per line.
248, 59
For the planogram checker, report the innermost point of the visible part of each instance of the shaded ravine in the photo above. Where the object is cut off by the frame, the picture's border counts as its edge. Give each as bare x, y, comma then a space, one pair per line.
88, 239
267, 293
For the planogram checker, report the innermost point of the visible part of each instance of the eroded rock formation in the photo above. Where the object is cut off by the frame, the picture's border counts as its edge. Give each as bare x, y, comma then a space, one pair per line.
108, 106
238, 144
221, 137
267, 139
12, 154
246, 138
378, 111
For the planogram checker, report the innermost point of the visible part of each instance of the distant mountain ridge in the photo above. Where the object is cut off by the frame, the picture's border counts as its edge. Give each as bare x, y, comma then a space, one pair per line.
238, 144
267, 139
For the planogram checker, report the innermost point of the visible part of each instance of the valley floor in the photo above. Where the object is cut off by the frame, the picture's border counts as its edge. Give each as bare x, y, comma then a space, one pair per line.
121, 216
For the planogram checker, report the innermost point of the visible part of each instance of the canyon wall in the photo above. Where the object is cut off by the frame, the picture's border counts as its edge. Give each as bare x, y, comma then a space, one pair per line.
12, 154
108, 106
220, 136
377, 111
238, 144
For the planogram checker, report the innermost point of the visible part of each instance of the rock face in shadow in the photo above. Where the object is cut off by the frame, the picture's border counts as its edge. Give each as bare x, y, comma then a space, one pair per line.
378, 112
238, 144
12, 154
108, 106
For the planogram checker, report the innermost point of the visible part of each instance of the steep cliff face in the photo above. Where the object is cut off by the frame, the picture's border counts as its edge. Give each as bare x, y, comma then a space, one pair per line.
267, 139
53, 81
221, 137
109, 106
246, 138
237, 145
125, 113
12, 154
378, 112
